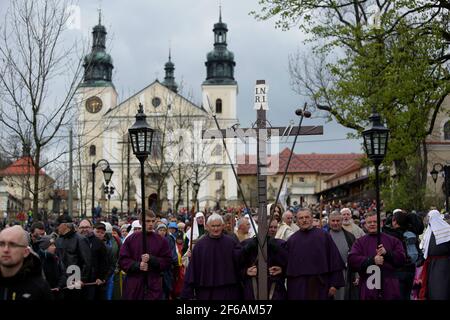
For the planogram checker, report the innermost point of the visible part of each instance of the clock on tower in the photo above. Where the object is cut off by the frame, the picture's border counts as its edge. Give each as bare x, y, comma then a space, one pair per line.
94, 104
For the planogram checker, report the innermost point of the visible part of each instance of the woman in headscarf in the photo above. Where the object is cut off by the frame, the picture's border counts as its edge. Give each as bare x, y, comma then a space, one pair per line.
436, 252
135, 226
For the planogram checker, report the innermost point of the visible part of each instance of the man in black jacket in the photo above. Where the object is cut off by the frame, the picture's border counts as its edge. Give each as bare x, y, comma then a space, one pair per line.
73, 250
20, 269
398, 228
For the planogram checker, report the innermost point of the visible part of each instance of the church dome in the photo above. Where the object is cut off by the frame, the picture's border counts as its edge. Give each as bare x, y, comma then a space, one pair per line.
220, 55
98, 57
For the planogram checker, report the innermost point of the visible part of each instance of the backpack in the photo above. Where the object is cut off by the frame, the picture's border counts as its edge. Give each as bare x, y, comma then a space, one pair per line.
409, 241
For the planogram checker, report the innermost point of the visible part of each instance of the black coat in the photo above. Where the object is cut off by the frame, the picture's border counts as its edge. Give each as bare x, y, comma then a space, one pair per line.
54, 270
27, 284
100, 258
73, 249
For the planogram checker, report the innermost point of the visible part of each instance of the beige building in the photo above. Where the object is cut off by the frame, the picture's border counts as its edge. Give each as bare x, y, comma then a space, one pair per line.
438, 146
18, 180
178, 153
307, 175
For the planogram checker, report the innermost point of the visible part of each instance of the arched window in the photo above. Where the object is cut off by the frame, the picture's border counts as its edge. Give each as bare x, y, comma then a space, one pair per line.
219, 106
92, 150
217, 150
447, 131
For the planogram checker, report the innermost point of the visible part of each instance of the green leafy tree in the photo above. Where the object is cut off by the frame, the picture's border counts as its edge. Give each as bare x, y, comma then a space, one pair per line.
389, 56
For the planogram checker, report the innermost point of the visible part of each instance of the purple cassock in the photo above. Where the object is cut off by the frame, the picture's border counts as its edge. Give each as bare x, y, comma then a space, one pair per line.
213, 271
362, 256
276, 256
314, 265
129, 261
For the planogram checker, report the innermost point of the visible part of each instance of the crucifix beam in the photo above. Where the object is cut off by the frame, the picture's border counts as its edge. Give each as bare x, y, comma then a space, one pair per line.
260, 132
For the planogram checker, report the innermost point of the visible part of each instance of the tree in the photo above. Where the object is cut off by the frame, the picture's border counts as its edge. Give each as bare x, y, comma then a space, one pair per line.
387, 55
34, 59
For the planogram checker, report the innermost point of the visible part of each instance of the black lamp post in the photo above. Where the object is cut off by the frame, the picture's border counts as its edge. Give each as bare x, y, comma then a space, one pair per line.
107, 174
439, 167
375, 144
141, 136
196, 187
187, 194
109, 191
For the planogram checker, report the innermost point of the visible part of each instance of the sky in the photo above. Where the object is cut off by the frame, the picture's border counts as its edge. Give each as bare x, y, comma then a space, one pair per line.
140, 33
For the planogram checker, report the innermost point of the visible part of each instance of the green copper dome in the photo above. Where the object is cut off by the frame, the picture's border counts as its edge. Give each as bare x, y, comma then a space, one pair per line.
220, 61
169, 79
98, 64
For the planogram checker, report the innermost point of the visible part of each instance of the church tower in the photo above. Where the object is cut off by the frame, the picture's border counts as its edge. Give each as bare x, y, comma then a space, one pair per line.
95, 96
169, 79
220, 89
219, 93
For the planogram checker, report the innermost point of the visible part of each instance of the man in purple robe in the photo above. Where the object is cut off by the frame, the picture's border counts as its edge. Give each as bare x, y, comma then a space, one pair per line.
376, 264
276, 262
315, 267
139, 265
213, 271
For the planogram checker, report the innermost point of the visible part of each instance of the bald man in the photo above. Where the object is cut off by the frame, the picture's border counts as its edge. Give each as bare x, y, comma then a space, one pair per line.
20, 269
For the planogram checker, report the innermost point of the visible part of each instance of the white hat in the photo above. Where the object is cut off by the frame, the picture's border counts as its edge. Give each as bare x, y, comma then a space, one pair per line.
136, 224
199, 214
108, 227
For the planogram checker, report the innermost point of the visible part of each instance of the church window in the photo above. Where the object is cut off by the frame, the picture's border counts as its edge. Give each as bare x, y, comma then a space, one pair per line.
447, 131
217, 150
219, 175
219, 106
92, 150
156, 145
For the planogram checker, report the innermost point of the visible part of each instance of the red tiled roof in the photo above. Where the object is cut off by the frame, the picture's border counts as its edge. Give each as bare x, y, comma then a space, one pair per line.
351, 168
325, 163
21, 167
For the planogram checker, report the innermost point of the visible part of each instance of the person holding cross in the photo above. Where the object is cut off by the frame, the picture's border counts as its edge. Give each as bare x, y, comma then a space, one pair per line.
378, 262
144, 269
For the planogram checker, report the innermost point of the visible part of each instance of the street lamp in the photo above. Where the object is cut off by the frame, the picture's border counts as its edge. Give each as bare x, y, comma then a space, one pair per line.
375, 144
187, 194
196, 187
141, 136
439, 167
107, 174
109, 191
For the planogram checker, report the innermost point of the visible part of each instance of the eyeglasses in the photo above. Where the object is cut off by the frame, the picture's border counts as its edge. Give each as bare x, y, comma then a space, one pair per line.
11, 245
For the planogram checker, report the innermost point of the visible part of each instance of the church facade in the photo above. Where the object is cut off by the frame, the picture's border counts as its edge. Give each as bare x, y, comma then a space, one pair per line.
179, 158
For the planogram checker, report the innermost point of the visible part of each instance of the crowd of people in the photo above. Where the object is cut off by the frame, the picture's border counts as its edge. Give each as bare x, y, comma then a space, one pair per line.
320, 252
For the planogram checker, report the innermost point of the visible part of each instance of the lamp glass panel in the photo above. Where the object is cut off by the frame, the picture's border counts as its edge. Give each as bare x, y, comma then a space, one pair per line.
133, 140
141, 141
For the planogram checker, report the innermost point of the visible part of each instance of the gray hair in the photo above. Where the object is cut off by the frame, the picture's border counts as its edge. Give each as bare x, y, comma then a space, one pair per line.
286, 213
335, 214
215, 217
305, 209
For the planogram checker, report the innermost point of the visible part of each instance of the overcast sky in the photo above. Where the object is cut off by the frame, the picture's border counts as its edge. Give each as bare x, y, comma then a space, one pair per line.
139, 34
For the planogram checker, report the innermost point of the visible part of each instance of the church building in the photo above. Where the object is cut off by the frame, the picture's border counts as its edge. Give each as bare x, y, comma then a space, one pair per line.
180, 157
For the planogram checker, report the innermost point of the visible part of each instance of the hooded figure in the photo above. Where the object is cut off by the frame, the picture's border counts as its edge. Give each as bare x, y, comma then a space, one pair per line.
198, 229
436, 248
135, 224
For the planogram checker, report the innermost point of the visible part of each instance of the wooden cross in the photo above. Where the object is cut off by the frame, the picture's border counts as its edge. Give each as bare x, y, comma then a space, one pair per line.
261, 132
